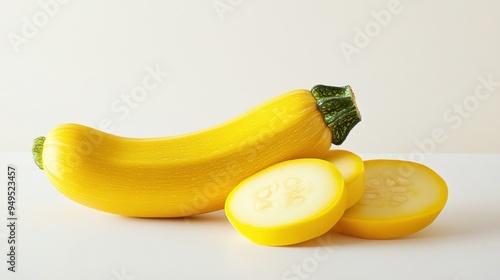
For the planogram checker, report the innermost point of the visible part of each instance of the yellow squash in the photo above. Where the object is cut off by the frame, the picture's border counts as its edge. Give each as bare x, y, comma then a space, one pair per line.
401, 198
288, 203
191, 174
352, 168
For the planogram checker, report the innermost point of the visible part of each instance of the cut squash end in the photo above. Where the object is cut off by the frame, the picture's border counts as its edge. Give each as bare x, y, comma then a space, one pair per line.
288, 203
401, 198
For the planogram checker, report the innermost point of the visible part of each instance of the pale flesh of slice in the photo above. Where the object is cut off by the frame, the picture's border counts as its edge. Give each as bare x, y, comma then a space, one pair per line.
288, 203
401, 198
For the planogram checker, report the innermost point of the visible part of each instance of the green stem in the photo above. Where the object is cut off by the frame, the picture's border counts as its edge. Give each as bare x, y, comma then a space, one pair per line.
338, 108
37, 151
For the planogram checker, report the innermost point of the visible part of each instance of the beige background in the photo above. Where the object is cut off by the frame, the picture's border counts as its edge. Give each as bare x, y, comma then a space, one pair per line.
426, 74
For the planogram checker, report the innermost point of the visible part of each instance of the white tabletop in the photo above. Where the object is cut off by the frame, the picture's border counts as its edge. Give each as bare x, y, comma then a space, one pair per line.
60, 239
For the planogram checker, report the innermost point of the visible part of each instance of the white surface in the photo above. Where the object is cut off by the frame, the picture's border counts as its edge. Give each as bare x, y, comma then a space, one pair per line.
420, 65
59, 239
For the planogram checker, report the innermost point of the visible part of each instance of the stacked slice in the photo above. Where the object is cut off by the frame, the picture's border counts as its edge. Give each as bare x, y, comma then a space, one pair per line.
298, 200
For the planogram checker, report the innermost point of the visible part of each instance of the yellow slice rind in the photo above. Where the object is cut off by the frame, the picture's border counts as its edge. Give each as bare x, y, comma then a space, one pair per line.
352, 169
288, 203
400, 198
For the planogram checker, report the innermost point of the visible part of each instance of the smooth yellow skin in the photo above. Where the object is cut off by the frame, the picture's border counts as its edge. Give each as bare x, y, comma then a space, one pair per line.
352, 168
401, 198
182, 175
288, 203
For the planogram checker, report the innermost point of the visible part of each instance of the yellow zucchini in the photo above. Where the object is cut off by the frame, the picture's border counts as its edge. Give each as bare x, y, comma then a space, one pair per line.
191, 174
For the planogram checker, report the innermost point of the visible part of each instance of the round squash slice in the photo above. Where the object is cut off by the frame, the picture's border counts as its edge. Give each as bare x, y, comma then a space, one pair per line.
287, 203
352, 169
400, 198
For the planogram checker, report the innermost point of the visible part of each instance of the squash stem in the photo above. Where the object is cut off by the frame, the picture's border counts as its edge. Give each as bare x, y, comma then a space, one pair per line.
37, 151
338, 108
